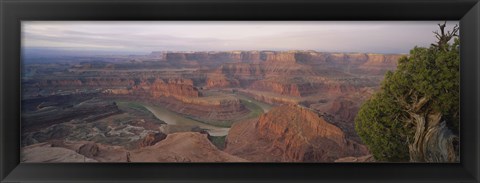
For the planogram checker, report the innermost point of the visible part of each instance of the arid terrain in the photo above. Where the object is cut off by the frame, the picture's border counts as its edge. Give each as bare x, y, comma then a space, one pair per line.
235, 106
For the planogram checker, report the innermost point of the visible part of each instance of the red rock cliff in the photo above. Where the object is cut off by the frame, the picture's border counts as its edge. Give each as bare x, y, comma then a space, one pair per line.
177, 88
290, 133
278, 57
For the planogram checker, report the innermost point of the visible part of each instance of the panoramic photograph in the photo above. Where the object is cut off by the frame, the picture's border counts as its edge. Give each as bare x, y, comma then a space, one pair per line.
240, 91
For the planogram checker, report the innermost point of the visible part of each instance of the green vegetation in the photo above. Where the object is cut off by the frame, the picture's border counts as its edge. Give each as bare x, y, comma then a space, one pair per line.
379, 125
425, 83
218, 141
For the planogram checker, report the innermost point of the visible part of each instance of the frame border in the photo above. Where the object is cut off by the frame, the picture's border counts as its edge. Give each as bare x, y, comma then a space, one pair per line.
12, 12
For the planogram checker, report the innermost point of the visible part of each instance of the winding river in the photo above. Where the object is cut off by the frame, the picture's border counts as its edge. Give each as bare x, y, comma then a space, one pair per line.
173, 118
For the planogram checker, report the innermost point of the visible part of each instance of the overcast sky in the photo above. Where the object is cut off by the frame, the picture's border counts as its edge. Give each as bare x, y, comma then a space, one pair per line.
147, 36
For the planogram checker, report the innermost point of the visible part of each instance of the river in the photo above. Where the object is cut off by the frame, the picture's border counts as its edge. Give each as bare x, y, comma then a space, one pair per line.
173, 118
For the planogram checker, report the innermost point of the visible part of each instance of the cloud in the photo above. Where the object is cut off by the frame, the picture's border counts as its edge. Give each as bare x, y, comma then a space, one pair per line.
146, 36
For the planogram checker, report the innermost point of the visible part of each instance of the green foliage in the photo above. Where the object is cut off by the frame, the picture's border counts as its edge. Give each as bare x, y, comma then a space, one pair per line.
430, 73
379, 125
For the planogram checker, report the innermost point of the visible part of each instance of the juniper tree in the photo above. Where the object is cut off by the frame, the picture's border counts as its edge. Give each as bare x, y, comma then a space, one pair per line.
415, 115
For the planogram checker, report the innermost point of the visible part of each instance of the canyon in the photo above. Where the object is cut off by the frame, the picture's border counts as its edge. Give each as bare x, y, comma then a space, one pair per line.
290, 133
215, 106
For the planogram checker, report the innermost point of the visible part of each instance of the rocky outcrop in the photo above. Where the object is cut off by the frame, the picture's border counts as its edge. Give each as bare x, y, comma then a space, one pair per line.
284, 57
344, 109
233, 56
239, 74
301, 87
362, 58
250, 56
290, 133
384, 60
271, 57
227, 56
72, 151
311, 57
290, 89
177, 88
176, 147
216, 108
346, 58
270, 98
220, 81
183, 147
88, 150
240, 70
152, 139
44, 152
156, 88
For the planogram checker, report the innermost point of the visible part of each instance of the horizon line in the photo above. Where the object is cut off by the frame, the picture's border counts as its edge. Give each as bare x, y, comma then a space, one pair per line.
194, 51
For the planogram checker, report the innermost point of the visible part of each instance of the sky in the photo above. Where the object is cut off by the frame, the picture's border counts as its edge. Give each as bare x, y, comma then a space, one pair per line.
148, 36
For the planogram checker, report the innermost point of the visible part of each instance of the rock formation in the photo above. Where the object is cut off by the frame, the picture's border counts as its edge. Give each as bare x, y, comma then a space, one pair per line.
152, 139
220, 81
278, 57
290, 133
217, 108
44, 152
88, 150
344, 109
178, 88
176, 147
183, 147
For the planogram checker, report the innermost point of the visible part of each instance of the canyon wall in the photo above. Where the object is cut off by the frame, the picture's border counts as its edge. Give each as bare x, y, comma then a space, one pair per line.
177, 88
290, 133
272, 57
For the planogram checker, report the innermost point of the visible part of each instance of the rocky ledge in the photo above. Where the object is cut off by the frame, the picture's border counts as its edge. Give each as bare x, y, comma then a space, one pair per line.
176, 147
290, 133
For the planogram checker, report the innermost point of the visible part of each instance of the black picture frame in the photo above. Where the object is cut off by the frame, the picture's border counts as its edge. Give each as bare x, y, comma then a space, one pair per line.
12, 12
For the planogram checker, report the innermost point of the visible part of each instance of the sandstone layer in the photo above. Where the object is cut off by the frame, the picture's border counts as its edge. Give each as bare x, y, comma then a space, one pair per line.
290, 133
183, 147
176, 147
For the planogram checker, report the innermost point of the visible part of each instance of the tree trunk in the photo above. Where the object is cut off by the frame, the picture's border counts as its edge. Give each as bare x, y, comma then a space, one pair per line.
433, 141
